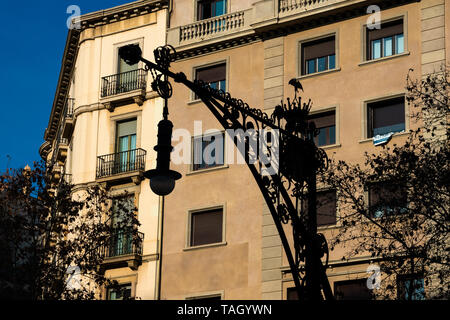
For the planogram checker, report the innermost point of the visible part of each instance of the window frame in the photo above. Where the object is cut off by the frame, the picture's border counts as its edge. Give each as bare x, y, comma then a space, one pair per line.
306, 40
388, 19
405, 277
196, 18
334, 108
188, 245
369, 113
118, 45
335, 283
327, 226
211, 168
364, 113
383, 216
193, 98
122, 281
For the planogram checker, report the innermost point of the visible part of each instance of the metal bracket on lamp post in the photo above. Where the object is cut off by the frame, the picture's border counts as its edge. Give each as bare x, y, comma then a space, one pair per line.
299, 162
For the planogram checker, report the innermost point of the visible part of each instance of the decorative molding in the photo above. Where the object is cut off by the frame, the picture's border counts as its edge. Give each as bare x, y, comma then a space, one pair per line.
122, 12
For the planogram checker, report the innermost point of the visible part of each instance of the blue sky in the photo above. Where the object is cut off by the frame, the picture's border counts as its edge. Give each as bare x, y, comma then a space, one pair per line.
33, 35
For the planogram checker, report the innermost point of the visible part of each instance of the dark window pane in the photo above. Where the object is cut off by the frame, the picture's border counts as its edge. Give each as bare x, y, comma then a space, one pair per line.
386, 116
123, 293
211, 74
352, 290
292, 294
219, 7
311, 66
211, 8
387, 199
325, 122
322, 137
321, 64
326, 208
206, 227
410, 287
215, 76
208, 152
332, 61
332, 131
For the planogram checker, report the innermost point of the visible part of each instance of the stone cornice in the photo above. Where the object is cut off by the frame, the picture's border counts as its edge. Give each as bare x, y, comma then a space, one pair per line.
122, 12
62, 89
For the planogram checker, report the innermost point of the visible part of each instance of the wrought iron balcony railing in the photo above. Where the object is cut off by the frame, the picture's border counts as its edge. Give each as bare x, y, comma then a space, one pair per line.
122, 243
121, 162
124, 82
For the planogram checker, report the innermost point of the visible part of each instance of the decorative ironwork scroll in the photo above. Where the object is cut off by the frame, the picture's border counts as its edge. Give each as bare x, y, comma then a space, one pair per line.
288, 190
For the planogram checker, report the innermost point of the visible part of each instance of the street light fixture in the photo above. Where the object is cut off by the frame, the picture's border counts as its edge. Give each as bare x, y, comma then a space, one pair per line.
162, 179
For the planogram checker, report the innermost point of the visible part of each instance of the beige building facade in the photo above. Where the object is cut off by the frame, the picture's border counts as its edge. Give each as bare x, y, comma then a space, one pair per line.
254, 49
102, 129
219, 238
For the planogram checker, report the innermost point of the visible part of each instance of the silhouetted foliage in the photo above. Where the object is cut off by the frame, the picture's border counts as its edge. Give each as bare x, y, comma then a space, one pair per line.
394, 207
49, 234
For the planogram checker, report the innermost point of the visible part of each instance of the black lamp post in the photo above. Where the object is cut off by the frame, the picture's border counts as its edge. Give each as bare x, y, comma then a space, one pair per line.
162, 179
299, 161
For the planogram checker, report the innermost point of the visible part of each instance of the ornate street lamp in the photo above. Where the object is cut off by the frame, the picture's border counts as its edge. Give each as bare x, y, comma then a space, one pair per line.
299, 162
162, 179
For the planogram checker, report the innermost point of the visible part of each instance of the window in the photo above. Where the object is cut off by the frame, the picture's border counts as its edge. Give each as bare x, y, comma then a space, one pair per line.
386, 199
206, 227
123, 66
410, 287
352, 290
121, 241
292, 294
123, 293
215, 76
385, 117
208, 151
325, 207
126, 145
211, 8
387, 41
127, 76
318, 55
326, 123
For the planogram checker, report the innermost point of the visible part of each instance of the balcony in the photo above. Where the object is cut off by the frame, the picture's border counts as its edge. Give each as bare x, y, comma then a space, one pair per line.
123, 88
68, 118
62, 147
123, 249
210, 29
263, 18
121, 167
57, 172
